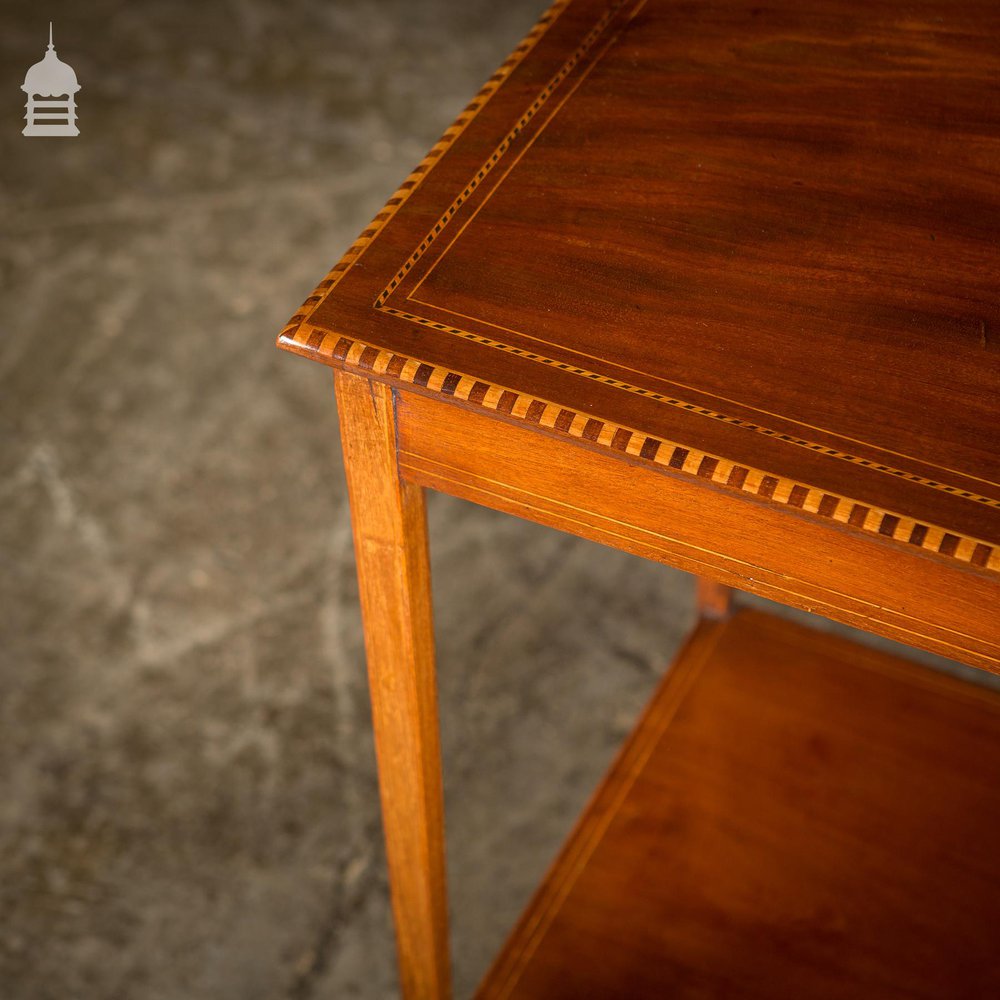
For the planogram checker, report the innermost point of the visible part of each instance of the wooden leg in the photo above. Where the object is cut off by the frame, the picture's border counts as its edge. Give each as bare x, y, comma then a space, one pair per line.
713, 600
390, 547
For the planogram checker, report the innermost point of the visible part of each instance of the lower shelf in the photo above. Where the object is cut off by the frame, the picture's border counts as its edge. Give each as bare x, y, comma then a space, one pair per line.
794, 816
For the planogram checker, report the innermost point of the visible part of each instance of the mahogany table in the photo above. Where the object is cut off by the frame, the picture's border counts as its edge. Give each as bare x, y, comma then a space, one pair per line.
717, 284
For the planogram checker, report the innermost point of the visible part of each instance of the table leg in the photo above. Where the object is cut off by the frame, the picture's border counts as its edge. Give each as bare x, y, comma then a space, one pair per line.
713, 600
390, 547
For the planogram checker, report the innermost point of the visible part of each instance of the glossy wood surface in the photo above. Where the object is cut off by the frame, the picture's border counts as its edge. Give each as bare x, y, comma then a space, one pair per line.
768, 233
683, 520
390, 548
716, 284
794, 816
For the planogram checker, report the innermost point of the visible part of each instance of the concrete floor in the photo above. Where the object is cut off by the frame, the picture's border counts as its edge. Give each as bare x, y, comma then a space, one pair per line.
190, 807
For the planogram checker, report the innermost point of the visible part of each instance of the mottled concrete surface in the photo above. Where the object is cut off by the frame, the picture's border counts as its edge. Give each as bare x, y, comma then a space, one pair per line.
189, 805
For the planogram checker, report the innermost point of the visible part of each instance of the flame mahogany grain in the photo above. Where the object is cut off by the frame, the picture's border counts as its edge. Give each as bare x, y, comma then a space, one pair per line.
714, 283
766, 232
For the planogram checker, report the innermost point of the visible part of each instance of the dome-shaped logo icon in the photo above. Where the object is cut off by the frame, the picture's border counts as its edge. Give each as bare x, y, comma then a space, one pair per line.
51, 87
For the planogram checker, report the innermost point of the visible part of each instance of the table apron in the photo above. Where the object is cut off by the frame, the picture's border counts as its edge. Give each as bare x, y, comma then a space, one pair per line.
880, 585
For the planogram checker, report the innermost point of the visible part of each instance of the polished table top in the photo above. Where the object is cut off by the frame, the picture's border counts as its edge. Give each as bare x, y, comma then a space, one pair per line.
758, 245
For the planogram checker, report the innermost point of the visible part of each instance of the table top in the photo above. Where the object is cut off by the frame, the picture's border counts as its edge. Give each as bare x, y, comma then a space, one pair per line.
757, 244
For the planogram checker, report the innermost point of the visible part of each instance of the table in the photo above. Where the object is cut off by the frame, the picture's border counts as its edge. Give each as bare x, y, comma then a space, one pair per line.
715, 284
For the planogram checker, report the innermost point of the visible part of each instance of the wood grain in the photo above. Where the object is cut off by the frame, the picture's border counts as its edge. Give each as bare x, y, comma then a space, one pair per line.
546, 415
292, 333
390, 547
765, 233
714, 284
769, 830
918, 597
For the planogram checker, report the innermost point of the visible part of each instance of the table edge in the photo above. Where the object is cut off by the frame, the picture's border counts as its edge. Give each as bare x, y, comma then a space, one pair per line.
319, 343
622, 441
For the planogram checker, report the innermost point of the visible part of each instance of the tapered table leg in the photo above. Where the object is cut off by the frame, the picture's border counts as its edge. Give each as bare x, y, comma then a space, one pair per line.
390, 545
713, 600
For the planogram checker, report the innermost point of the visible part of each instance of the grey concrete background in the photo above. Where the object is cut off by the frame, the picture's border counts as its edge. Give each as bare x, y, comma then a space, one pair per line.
189, 804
